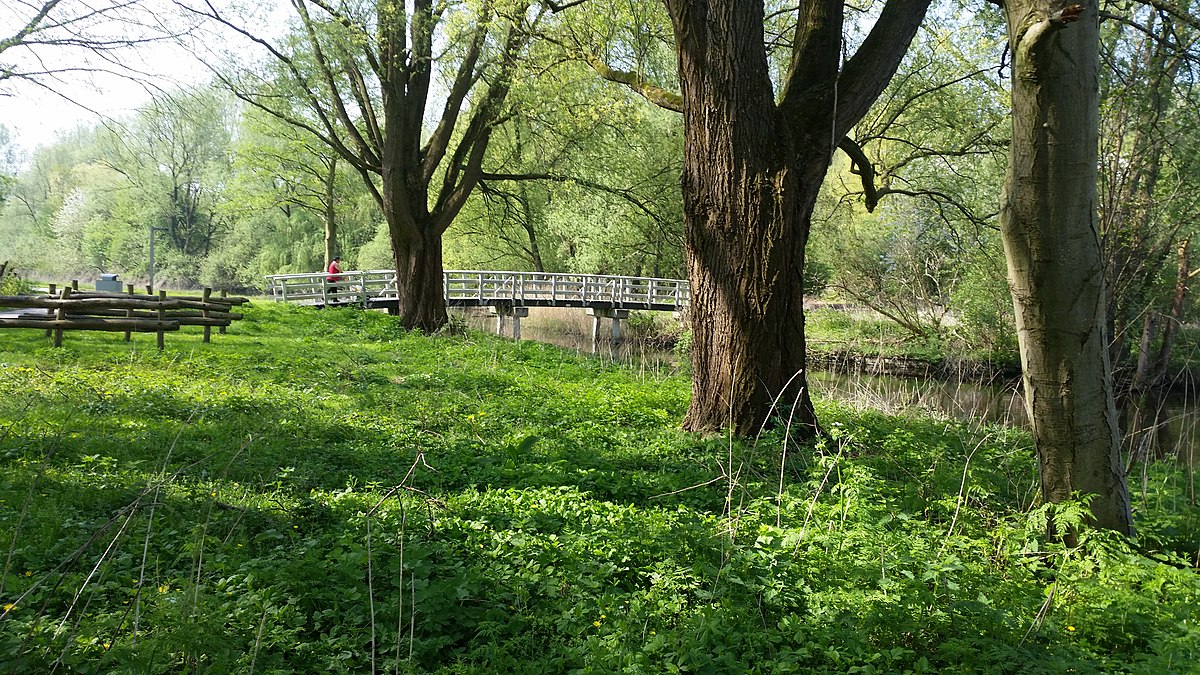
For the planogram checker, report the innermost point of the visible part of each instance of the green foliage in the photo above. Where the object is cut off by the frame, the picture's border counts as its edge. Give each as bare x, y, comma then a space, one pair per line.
8, 164
984, 306
323, 491
600, 192
857, 332
14, 284
936, 141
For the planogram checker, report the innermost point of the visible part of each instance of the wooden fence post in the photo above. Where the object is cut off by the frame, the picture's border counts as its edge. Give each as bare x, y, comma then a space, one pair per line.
61, 315
224, 294
204, 313
129, 312
162, 317
53, 292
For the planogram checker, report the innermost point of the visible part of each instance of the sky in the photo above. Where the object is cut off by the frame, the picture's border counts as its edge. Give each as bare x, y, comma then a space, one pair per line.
36, 116
36, 112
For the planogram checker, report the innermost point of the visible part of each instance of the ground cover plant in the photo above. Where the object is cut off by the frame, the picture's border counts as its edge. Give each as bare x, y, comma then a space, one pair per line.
321, 491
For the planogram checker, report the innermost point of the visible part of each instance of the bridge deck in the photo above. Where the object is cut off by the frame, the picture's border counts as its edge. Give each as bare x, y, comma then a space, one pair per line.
377, 289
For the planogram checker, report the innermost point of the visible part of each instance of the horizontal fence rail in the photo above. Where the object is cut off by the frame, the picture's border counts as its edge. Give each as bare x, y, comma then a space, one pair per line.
117, 312
377, 288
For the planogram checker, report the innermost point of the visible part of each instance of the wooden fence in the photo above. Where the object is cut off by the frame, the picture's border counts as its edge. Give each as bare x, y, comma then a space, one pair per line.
126, 312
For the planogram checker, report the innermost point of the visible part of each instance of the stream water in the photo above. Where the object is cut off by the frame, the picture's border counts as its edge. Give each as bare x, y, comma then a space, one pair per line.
1168, 425
1163, 426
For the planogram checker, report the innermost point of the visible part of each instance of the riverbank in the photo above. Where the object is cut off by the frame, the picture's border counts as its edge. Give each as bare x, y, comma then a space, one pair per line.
846, 339
323, 491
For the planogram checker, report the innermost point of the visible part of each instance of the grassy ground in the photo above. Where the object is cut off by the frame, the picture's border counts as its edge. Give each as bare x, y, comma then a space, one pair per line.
319, 491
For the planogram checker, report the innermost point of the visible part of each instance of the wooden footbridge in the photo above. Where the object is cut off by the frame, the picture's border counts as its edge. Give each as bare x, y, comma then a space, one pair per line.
508, 294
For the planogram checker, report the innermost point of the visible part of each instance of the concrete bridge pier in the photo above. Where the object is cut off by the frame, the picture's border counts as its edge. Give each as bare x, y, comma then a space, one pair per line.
516, 313
616, 315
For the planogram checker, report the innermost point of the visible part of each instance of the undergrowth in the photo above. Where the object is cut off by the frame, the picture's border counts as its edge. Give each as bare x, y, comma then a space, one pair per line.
320, 491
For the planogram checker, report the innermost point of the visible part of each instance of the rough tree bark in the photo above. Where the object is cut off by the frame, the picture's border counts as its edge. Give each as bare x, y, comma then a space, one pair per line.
1049, 228
754, 163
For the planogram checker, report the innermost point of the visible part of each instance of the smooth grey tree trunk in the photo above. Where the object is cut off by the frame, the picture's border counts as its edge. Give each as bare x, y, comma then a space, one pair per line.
1049, 227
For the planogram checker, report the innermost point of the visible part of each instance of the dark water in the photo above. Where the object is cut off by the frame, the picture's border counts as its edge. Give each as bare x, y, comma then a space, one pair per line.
633, 353
1157, 427
1160, 427
956, 399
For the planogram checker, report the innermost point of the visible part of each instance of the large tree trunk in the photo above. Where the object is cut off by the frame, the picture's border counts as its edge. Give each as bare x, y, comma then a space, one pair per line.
422, 304
746, 213
753, 167
747, 311
1048, 224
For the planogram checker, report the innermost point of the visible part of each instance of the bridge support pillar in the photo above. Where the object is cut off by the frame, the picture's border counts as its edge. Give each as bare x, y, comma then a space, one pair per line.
616, 315
516, 313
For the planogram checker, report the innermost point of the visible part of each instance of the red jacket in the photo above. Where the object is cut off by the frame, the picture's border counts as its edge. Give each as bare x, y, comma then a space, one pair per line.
333, 270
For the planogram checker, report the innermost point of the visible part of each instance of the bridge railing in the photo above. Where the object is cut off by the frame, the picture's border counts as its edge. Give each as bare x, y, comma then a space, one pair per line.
557, 289
354, 287
481, 287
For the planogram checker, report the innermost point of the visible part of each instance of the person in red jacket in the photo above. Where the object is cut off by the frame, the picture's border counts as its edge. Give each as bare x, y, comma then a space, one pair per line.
334, 271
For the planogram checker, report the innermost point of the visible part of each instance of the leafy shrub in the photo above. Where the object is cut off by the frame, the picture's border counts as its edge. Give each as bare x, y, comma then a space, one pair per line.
14, 284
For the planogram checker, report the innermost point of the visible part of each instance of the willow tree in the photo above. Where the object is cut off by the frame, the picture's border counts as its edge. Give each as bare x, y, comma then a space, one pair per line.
1049, 228
756, 151
367, 75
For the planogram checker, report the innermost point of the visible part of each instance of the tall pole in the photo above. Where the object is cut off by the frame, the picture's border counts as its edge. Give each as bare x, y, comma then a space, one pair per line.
152, 229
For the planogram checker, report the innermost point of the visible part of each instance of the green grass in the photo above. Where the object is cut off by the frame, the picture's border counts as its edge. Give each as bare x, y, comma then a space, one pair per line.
320, 491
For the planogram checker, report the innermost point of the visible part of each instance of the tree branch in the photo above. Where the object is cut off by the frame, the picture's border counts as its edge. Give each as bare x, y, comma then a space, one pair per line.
556, 7
861, 166
657, 95
869, 71
624, 194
